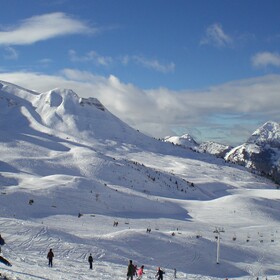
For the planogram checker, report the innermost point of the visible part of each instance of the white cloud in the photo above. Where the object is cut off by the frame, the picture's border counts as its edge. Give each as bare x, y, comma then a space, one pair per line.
42, 27
216, 36
154, 64
92, 56
45, 62
230, 110
264, 59
11, 53
97, 59
149, 63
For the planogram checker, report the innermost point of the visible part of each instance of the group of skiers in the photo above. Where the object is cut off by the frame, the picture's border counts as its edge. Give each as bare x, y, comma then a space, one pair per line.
50, 257
132, 271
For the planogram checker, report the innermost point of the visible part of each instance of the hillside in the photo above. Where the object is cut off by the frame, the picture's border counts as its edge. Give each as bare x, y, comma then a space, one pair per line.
69, 169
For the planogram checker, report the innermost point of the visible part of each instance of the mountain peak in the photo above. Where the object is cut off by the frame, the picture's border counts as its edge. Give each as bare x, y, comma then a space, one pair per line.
63, 111
269, 133
185, 140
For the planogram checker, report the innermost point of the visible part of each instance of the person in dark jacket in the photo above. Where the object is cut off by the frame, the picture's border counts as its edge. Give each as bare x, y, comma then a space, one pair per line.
90, 260
2, 242
50, 257
159, 274
130, 271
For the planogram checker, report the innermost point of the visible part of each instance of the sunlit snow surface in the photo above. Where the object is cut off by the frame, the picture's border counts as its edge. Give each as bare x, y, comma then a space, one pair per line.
70, 169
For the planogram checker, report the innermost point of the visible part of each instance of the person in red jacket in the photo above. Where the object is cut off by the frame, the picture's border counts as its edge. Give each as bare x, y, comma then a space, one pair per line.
140, 273
50, 257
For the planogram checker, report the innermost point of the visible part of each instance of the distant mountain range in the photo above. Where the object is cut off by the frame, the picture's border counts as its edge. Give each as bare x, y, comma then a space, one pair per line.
260, 153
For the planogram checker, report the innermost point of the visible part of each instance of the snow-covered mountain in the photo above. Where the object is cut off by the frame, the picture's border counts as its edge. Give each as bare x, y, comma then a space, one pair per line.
261, 152
63, 111
267, 134
185, 140
213, 148
69, 169
210, 147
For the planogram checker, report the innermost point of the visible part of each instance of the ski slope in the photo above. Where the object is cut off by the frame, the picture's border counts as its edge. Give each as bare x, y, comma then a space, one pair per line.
69, 170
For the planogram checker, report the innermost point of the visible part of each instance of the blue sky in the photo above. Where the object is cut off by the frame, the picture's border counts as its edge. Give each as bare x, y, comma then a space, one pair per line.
208, 68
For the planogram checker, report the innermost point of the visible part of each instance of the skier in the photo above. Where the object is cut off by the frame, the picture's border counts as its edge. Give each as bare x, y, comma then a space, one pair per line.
160, 273
140, 273
90, 260
175, 273
50, 257
130, 271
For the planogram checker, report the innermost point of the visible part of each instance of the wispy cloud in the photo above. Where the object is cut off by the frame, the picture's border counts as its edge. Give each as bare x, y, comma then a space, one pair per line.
149, 63
216, 36
45, 62
92, 56
264, 59
234, 109
98, 59
43, 27
10, 53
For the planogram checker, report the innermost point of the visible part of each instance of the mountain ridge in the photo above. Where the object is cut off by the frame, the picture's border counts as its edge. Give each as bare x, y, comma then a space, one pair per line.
260, 153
